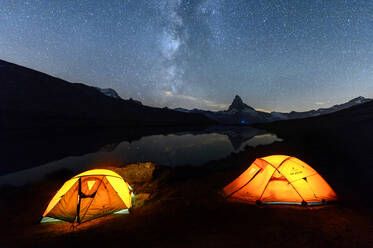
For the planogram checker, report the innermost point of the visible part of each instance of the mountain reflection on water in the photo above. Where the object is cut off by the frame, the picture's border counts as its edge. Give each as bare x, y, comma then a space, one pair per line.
173, 149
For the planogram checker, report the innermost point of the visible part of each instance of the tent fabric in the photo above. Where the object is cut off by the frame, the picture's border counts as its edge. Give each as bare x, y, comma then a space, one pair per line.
280, 179
89, 195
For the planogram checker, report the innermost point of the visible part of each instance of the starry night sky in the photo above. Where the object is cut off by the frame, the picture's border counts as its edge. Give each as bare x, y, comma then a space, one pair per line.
277, 55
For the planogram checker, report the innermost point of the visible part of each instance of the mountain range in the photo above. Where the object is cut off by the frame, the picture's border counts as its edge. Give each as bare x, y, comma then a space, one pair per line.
29, 98
241, 113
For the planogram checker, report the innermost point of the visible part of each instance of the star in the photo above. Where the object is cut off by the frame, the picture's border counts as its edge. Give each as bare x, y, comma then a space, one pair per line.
279, 56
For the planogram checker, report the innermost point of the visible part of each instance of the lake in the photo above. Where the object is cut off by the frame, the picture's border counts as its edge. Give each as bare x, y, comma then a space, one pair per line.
179, 148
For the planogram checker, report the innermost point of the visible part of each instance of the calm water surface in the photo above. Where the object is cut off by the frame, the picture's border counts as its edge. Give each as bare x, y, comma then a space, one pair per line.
183, 148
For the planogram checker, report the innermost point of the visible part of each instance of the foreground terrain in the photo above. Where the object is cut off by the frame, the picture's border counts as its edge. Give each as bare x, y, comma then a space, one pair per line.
182, 207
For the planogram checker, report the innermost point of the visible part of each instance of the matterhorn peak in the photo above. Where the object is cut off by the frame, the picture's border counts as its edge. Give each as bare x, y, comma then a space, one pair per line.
238, 104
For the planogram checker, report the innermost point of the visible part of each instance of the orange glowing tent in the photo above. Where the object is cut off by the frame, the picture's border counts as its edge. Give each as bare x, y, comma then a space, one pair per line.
89, 195
280, 179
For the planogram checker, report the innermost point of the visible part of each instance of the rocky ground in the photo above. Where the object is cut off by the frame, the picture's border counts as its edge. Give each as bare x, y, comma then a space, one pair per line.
183, 208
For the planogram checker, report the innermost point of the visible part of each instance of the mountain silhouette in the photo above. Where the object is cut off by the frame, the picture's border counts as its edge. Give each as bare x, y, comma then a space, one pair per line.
241, 113
238, 104
29, 98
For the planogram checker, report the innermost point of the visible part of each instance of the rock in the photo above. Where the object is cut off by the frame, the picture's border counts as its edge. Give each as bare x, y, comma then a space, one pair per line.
138, 173
143, 196
140, 199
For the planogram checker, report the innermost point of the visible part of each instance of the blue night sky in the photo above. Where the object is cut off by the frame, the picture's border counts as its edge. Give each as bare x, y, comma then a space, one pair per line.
277, 55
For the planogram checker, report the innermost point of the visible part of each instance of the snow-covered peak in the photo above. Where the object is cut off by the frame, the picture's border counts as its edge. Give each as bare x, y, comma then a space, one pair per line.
359, 100
109, 92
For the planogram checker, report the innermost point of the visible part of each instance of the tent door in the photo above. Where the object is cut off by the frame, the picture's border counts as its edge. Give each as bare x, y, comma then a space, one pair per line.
81, 195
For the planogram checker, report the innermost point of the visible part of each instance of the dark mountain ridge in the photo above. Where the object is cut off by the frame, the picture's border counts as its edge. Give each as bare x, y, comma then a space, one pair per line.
29, 98
241, 113
323, 111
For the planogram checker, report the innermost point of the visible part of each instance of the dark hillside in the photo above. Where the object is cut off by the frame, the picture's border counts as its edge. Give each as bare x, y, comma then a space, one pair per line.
30, 98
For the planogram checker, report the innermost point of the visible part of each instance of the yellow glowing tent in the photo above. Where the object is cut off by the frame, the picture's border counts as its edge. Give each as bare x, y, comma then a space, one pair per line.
89, 195
280, 179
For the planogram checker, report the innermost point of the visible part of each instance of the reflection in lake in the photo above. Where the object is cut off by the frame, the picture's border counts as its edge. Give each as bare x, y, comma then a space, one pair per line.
180, 148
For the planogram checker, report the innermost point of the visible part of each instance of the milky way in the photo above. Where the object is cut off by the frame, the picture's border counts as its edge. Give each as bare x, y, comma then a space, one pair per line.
277, 55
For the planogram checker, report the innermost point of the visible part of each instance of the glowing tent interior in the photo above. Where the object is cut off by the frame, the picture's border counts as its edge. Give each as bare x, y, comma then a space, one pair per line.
89, 195
280, 179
